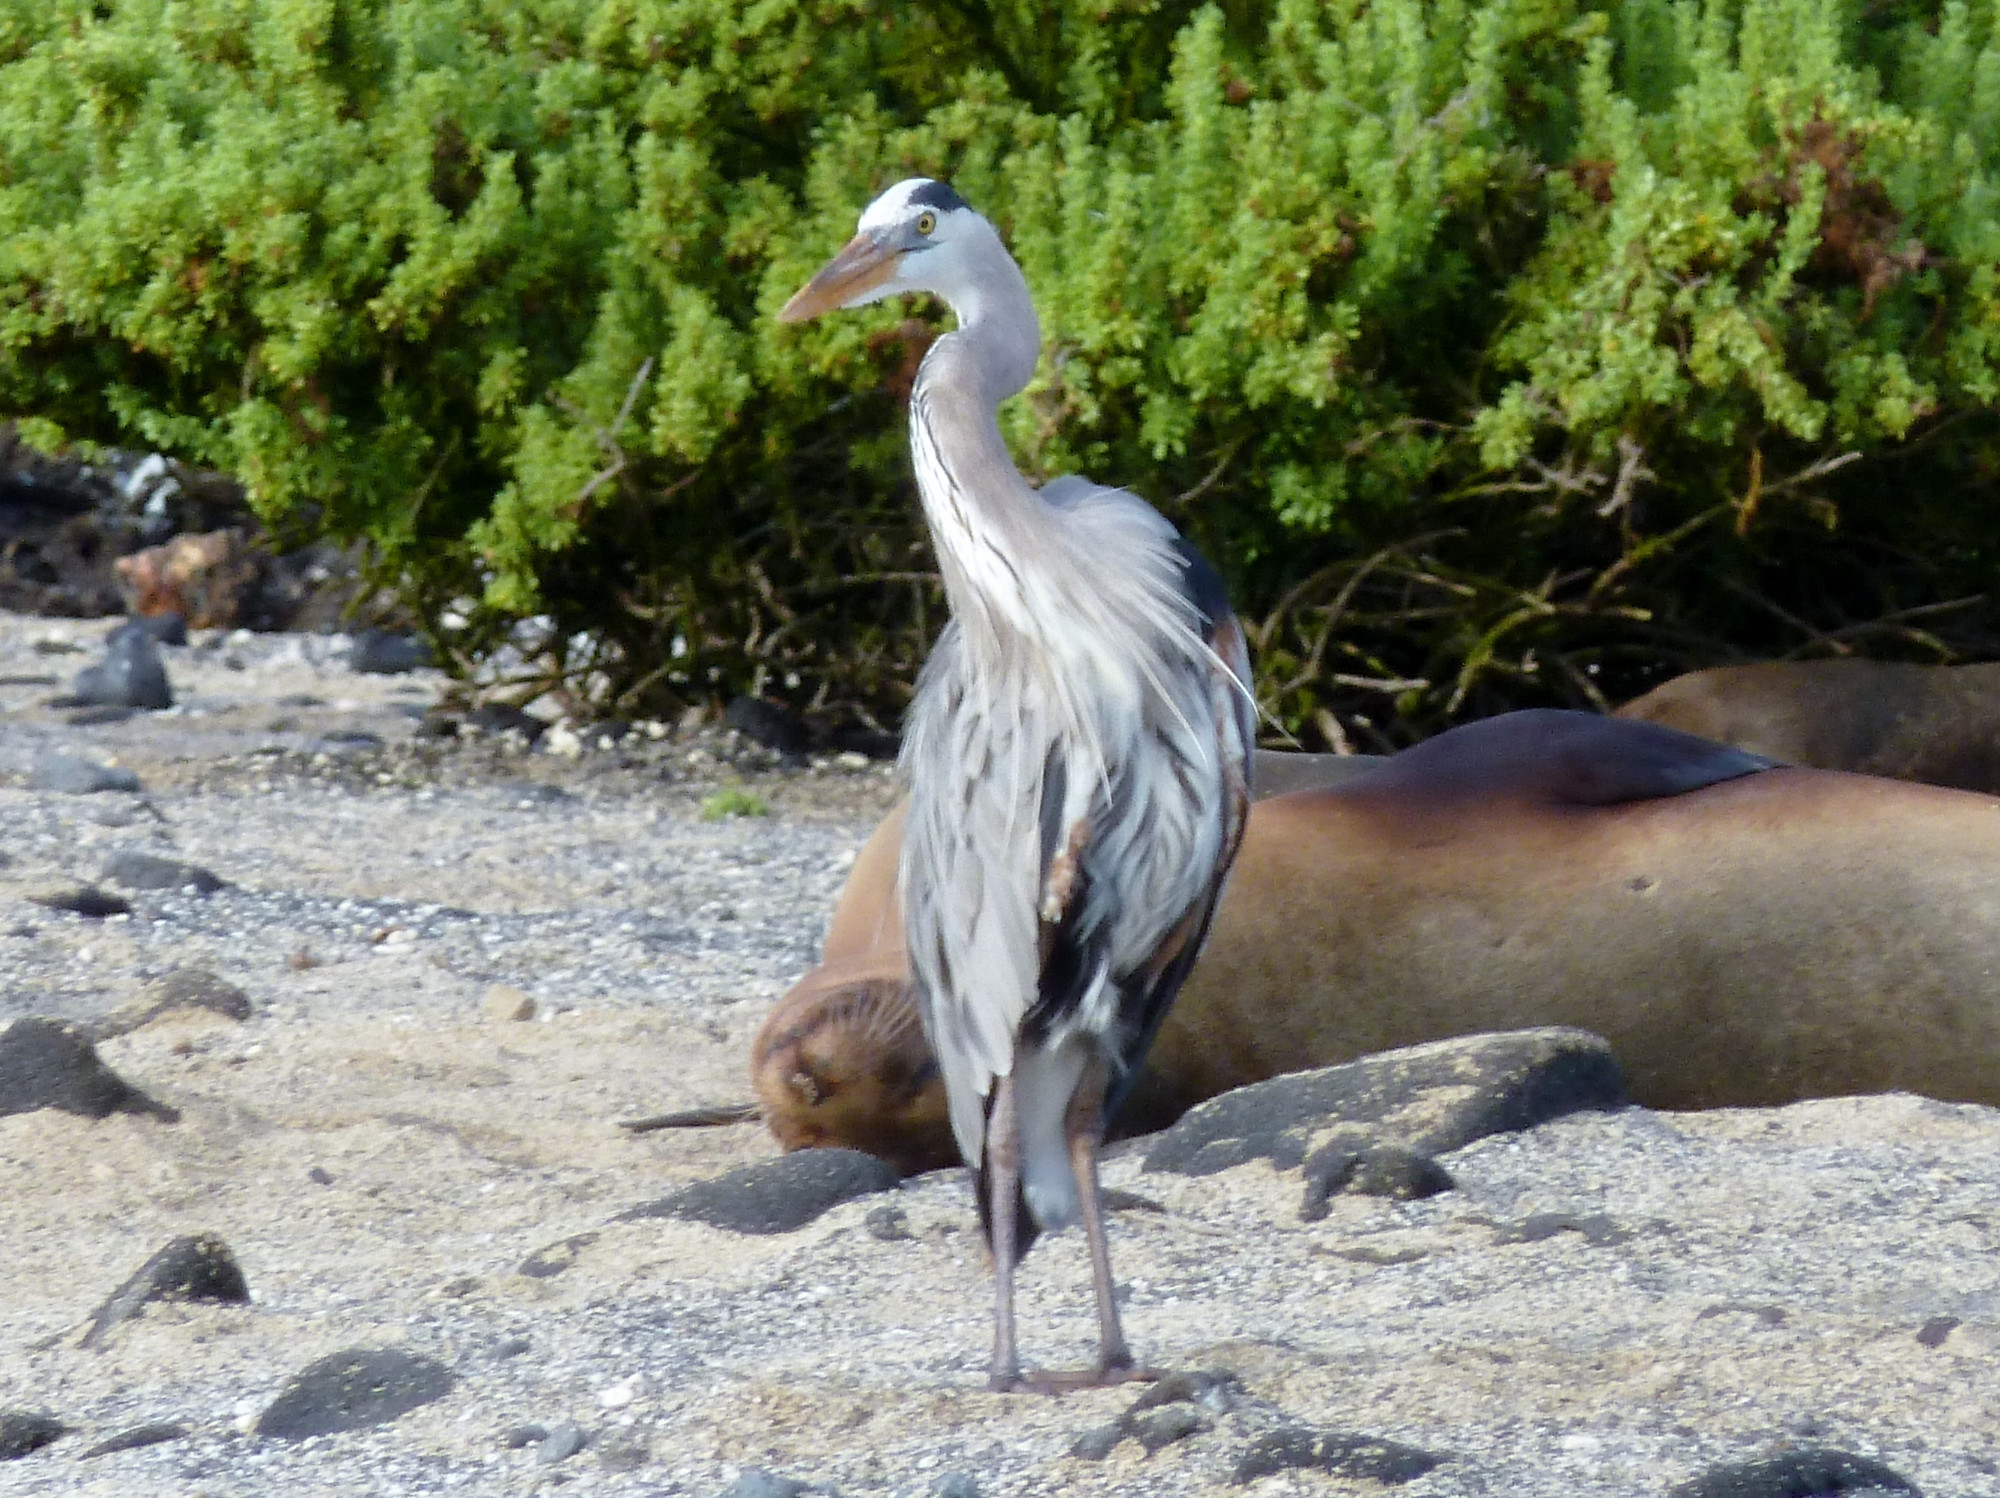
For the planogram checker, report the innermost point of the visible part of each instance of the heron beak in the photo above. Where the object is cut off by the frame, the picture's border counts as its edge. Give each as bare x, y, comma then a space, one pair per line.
860, 268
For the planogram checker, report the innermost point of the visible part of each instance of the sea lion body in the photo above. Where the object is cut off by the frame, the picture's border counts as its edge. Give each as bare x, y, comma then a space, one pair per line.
1937, 724
1741, 935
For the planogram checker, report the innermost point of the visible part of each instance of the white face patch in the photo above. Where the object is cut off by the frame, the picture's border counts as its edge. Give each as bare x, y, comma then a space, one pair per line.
893, 206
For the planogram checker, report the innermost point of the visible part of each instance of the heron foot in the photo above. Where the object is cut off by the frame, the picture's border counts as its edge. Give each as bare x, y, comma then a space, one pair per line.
1069, 1381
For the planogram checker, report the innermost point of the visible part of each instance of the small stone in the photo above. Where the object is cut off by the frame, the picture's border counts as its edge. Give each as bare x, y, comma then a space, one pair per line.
1213, 1391
547, 1263
501, 717
49, 1063
1596, 1229
888, 1222
770, 723
319, 1175
149, 871
86, 900
564, 1440
778, 1195
158, 1433
184, 991
381, 652
1813, 1472
132, 674
1934, 1331
199, 1267
301, 960
512, 1347
1098, 1442
623, 1454
23, 1431
956, 1485
352, 1390
504, 1004
75, 776
1367, 1169
1357, 1457
755, 1482
519, 1437
1165, 1426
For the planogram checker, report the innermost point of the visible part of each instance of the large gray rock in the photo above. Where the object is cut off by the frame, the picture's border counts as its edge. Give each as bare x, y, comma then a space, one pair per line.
353, 1390
1431, 1098
50, 1063
132, 674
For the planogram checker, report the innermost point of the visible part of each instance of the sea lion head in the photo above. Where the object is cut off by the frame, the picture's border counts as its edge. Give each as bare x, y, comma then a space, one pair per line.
843, 1061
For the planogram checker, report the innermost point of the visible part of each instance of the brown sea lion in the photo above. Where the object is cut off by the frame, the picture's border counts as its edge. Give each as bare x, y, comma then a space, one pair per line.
1741, 935
1939, 724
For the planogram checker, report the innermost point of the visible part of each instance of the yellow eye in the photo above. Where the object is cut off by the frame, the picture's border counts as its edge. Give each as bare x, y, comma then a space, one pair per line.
926, 222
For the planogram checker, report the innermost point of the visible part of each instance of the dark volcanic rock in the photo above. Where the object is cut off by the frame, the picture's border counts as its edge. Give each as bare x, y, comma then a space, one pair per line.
50, 1063
150, 871
755, 1482
1342, 1453
771, 724
23, 1431
76, 776
776, 1196
562, 1442
1432, 1098
352, 1390
132, 674
85, 900
1815, 1472
183, 989
1369, 1170
380, 652
159, 1432
198, 1267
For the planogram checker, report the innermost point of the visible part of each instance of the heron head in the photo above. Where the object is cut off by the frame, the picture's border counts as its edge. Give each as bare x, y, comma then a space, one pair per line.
912, 238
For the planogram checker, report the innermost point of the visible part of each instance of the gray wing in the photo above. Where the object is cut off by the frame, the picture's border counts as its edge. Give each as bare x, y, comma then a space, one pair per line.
1059, 879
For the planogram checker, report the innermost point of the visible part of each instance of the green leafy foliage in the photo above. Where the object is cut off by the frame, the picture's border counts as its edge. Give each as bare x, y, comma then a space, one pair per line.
1498, 350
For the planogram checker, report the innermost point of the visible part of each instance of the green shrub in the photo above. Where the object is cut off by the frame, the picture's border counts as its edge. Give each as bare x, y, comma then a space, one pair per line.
1499, 352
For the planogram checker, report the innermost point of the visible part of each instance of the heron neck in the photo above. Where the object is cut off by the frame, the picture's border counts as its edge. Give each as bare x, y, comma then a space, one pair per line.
983, 516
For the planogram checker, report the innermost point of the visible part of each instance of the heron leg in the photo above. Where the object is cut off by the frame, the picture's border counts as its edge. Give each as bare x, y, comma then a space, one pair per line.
1003, 1185
1083, 1127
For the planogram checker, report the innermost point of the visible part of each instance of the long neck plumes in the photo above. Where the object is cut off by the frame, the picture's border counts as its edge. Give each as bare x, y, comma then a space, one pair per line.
985, 519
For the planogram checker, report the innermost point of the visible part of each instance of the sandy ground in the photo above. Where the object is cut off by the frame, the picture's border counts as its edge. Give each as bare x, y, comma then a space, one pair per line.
383, 1157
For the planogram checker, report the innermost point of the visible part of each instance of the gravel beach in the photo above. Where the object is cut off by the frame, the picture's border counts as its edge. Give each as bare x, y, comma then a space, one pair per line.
465, 962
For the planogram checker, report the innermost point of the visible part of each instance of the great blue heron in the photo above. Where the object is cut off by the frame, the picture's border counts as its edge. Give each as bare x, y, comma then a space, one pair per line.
1077, 756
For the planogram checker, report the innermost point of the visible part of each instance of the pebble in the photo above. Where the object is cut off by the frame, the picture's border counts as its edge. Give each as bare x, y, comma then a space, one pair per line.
86, 900
520, 1437
155, 1434
1808, 1473
564, 1440
49, 1063
381, 652
352, 1390
198, 1267
131, 674
1342, 1453
547, 1263
75, 776
183, 991
888, 1222
23, 1431
137, 870
778, 1195
755, 1482
1366, 1169
506, 1004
